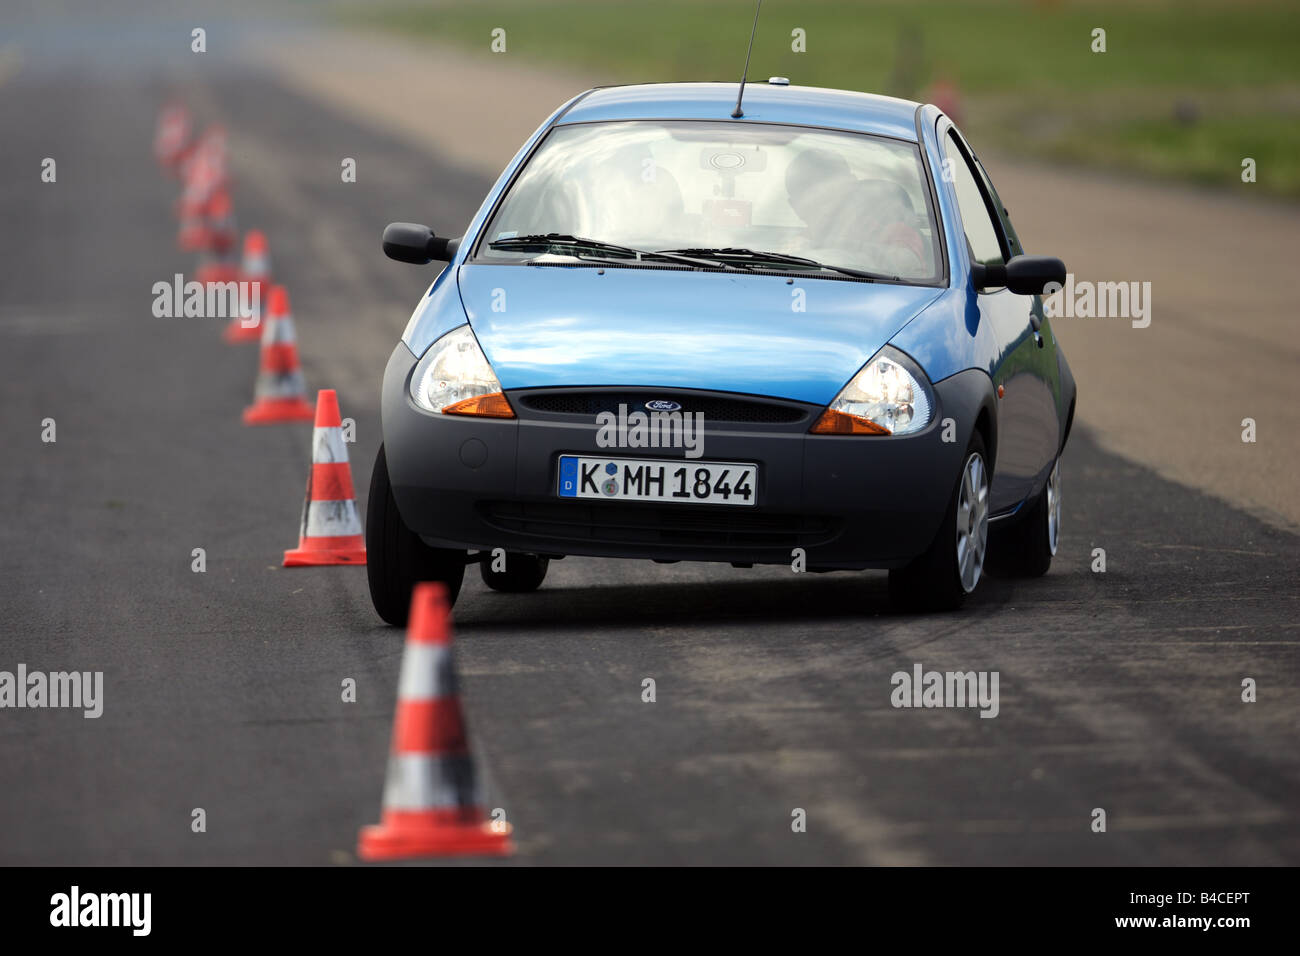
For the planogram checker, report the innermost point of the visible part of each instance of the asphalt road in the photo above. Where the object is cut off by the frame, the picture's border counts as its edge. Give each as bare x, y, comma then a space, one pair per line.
1119, 690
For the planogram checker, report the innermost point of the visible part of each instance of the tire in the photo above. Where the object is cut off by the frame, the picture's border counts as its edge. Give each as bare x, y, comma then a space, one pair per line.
524, 572
396, 558
1026, 548
940, 579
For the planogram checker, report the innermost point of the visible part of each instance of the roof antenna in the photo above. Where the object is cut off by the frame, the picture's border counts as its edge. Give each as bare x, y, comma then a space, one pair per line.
737, 113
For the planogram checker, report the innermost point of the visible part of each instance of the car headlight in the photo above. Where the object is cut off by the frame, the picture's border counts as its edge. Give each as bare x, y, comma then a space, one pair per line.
889, 396
454, 378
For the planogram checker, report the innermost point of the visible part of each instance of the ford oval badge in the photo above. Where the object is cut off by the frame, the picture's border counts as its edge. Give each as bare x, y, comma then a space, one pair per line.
663, 405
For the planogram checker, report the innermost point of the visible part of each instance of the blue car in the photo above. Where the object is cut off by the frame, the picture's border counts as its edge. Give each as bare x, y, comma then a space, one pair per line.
803, 334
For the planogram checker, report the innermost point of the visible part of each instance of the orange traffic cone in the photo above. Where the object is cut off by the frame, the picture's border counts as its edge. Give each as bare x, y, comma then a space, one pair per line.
945, 94
203, 172
194, 234
221, 221
279, 395
431, 800
217, 262
208, 158
256, 271
172, 137
216, 267
331, 527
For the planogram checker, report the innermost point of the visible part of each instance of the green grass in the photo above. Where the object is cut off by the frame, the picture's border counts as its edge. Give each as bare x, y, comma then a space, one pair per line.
1026, 70
1210, 151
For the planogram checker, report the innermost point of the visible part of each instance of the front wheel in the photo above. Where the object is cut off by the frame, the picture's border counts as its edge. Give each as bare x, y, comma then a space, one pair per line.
396, 558
940, 579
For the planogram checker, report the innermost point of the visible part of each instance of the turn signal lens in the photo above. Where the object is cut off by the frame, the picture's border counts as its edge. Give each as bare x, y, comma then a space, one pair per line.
491, 405
842, 423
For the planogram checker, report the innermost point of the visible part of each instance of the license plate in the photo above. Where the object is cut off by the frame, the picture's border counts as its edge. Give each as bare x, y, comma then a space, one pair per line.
639, 479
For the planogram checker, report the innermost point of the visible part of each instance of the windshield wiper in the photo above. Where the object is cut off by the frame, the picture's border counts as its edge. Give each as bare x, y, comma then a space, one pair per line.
544, 242
751, 256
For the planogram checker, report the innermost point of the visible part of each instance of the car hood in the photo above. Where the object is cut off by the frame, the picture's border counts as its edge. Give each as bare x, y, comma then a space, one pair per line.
557, 325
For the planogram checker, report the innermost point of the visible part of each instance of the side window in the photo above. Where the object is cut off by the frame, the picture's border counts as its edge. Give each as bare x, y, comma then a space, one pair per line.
981, 234
1004, 217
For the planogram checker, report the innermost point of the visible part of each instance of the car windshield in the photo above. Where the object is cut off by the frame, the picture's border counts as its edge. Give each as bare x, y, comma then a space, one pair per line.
736, 190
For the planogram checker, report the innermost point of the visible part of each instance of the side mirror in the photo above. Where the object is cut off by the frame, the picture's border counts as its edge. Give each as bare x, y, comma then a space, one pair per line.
1023, 275
411, 242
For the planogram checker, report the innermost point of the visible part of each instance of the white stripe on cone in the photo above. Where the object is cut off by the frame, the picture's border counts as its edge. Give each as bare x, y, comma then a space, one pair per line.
279, 385
327, 446
427, 673
429, 782
278, 330
331, 519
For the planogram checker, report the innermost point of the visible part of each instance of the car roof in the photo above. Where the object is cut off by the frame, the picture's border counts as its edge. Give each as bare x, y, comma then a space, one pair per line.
763, 103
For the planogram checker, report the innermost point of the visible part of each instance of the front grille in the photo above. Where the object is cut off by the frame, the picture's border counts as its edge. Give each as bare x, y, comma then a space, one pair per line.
715, 409
695, 526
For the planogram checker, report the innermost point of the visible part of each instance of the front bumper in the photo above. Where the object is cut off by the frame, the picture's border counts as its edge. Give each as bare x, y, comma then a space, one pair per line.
849, 502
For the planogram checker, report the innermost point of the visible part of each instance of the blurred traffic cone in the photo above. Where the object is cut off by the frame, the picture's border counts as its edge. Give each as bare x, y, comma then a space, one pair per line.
203, 172
221, 221
216, 267
431, 800
217, 262
171, 139
191, 209
331, 528
256, 271
279, 395
208, 157
945, 94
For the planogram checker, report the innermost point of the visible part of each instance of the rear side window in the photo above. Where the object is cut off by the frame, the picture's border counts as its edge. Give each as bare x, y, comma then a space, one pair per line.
981, 234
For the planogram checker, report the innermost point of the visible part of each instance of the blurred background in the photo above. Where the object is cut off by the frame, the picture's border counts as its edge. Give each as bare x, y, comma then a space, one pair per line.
1183, 90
